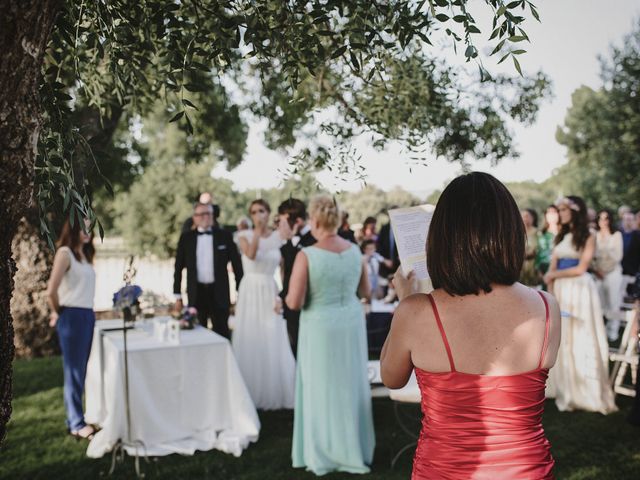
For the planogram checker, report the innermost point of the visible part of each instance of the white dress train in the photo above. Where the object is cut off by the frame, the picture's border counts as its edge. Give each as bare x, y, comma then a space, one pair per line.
260, 341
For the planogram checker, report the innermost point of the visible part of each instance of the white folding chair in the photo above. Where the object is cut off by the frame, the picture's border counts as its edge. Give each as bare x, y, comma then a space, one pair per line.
625, 357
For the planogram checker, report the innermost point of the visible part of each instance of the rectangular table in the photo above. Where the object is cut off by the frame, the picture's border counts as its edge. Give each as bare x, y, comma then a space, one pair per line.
183, 398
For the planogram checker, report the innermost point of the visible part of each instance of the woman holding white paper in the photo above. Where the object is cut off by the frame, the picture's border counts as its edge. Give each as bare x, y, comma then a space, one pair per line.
481, 344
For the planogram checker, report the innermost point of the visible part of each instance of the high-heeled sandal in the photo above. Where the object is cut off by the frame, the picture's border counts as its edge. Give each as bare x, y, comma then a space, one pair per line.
78, 436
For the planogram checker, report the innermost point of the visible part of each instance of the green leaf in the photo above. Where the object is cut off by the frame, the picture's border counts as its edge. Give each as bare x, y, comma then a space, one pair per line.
354, 61
188, 103
473, 29
519, 52
100, 230
177, 117
460, 18
498, 48
534, 12
67, 198
339, 51
517, 38
516, 63
192, 87
513, 4
189, 126
442, 17
470, 52
504, 58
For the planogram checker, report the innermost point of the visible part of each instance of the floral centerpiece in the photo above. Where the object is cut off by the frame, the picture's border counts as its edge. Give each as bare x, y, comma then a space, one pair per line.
127, 300
187, 317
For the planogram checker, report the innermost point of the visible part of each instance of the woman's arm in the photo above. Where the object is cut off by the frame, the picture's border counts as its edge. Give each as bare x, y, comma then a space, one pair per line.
61, 263
250, 248
548, 277
364, 289
298, 282
395, 359
583, 265
618, 251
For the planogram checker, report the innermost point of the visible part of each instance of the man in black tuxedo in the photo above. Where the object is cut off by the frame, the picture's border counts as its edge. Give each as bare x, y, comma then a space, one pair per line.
205, 252
293, 221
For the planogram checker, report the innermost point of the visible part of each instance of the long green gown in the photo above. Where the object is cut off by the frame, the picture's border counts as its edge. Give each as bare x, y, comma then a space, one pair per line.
333, 423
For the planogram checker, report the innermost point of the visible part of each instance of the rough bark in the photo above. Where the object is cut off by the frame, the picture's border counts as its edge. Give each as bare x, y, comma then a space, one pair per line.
33, 337
25, 27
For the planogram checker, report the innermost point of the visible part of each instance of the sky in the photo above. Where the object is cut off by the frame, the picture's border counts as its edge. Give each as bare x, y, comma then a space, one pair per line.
565, 45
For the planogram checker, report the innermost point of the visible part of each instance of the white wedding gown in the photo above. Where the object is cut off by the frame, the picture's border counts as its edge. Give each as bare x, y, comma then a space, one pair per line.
260, 341
580, 378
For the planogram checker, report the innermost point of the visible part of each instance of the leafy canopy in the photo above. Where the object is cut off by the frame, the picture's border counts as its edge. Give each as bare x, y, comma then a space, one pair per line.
367, 60
602, 132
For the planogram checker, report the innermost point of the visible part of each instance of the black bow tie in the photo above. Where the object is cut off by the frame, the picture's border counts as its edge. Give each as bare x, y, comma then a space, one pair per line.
206, 232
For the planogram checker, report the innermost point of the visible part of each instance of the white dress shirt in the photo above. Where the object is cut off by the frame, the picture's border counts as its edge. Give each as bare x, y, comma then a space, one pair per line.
204, 258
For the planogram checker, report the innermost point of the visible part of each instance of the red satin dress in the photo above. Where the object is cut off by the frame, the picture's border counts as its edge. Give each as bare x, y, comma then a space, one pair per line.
480, 426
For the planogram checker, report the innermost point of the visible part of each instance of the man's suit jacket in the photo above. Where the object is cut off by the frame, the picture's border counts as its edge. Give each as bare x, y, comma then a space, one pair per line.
224, 251
347, 234
383, 247
289, 252
631, 259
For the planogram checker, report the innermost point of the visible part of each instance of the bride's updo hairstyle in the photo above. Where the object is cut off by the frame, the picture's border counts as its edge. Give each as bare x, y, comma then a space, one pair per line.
476, 236
325, 211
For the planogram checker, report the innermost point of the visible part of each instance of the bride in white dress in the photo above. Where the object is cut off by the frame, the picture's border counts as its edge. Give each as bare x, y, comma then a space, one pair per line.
580, 378
260, 341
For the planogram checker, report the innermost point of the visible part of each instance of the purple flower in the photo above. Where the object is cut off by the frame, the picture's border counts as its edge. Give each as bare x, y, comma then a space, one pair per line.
127, 296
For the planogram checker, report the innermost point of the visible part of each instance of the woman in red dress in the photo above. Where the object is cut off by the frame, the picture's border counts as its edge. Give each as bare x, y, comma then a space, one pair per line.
481, 344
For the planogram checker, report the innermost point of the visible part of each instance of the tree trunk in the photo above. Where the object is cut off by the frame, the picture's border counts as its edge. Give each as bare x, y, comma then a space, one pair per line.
33, 337
25, 27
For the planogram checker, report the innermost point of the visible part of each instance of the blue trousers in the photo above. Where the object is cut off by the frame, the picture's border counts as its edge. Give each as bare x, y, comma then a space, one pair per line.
75, 332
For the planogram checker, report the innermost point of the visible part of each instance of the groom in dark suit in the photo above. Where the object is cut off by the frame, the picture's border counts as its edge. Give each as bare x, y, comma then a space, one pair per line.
205, 252
293, 220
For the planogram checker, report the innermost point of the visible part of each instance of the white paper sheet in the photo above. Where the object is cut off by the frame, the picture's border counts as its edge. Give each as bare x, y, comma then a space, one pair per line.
410, 228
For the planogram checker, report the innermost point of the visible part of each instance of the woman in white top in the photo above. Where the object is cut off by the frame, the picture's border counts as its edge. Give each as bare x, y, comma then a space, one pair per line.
580, 378
260, 340
608, 271
70, 295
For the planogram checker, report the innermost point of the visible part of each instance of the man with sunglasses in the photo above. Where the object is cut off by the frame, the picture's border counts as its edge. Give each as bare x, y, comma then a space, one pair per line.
205, 251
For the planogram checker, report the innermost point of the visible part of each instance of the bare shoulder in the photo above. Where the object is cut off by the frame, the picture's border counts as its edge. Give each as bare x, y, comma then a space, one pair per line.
411, 309
63, 255
554, 308
301, 258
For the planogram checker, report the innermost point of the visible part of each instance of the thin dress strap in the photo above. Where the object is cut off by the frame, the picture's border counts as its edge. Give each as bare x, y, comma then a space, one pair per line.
545, 344
444, 337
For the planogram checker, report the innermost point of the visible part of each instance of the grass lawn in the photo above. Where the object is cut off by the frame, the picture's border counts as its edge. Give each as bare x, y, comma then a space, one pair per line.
585, 445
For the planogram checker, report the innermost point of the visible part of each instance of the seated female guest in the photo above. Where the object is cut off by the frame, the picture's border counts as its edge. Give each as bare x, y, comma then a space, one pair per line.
70, 295
481, 343
333, 424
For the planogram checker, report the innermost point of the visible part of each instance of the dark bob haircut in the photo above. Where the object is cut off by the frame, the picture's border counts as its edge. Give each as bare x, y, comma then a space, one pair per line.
476, 236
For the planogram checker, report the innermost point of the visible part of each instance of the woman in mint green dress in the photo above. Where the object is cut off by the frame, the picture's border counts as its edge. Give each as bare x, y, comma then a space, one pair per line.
333, 424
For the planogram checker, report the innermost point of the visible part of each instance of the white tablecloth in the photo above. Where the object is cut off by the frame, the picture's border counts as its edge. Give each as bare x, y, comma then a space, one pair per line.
183, 398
